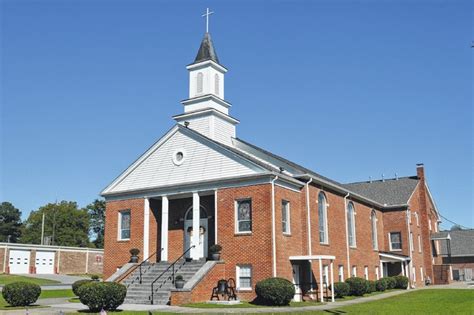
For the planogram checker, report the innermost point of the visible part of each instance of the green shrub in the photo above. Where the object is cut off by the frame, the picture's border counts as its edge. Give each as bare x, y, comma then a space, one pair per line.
102, 295
401, 282
341, 289
275, 291
76, 285
21, 293
381, 285
371, 286
391, 283
357, 286
95, 277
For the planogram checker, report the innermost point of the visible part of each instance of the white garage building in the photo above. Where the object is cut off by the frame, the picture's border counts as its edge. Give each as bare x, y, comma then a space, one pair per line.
42, 259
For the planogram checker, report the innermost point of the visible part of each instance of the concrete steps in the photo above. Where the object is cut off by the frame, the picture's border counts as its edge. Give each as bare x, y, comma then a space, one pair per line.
140, 293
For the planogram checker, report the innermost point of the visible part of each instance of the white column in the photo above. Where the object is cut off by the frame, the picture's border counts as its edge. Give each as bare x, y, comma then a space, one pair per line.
403, 268
146, 228
332, 280
215, 217
164, 228
87, 261
381, 269
321, 281
195, 236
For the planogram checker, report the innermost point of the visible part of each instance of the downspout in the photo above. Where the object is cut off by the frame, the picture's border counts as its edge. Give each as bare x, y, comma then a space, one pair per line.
410, 247
347, 236
308, 208
273, 228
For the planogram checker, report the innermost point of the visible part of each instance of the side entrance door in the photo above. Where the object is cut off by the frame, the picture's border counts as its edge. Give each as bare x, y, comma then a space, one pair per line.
19, 261
297, 283
44, 262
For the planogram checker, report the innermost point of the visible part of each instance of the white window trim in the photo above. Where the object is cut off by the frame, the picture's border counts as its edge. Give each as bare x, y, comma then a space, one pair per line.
341, 273
353, 225
375, 237
237, 277
422, 276
419, 243
414, 273
175, 156
417, 220
325, 214
412, 245
390, 242
236, 221
288, 217
119, 230
366, 272
354, 271
377, 276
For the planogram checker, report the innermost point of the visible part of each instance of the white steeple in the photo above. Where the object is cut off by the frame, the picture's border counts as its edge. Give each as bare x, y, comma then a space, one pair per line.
206, 111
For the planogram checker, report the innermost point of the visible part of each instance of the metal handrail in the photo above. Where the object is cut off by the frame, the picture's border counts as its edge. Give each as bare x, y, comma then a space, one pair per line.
135, 268
166, 270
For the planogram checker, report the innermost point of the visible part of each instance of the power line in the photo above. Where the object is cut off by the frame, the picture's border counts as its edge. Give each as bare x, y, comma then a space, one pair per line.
462, 226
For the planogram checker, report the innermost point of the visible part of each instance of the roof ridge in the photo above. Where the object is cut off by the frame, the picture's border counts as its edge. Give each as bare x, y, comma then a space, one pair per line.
382, 180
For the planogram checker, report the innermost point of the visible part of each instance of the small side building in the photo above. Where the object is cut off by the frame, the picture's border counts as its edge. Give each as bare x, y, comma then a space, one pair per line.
456, 249
45, 259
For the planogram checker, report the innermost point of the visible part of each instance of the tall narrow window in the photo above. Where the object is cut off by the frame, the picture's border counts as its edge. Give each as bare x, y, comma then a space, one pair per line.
412, 246
373, 219
124, 225
323, 222
354, 271
341, 273
285, 216
351, 224
366, 273
419, 243
377, 276
217, 84
243, 216
199, 87
395, 241
325, 275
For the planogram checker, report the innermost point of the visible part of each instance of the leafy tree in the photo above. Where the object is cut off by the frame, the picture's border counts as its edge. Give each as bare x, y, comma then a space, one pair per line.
96, 212
65, 224
10, 222
456, 227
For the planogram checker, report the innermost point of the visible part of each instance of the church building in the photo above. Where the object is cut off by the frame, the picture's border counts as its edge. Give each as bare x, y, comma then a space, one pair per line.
200, 185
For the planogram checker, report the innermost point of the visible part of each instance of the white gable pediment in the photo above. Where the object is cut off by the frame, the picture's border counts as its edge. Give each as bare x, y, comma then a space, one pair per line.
203, 160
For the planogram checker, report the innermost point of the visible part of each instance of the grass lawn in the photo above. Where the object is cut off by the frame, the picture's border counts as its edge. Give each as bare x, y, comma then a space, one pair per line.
6, 279
426, 301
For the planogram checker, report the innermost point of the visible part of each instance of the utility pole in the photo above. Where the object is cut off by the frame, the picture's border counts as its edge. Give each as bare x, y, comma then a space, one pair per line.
42, 230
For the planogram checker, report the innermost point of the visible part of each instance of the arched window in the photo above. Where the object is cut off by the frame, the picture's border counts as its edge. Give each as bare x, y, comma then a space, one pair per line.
202, 213
322, 215
373, 219
199, 82
217, 83
351, 224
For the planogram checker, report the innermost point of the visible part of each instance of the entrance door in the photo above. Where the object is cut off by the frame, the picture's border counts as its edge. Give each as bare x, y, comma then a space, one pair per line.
19, 261
203, 232
44, 262
297, 283
467, 274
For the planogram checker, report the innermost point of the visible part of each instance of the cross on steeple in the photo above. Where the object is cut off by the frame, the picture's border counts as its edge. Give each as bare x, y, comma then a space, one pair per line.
207, 18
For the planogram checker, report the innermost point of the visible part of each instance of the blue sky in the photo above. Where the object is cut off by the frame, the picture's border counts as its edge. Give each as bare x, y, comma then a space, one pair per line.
350, 89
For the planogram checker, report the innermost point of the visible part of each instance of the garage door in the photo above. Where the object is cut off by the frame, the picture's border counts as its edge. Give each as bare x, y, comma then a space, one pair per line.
19, 261
44, 262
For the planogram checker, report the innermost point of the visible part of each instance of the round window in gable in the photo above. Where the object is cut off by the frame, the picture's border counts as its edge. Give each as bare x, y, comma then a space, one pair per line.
179, 156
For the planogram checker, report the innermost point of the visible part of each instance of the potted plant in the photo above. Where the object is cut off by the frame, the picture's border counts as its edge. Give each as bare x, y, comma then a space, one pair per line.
215, 251
179, 282
134, 255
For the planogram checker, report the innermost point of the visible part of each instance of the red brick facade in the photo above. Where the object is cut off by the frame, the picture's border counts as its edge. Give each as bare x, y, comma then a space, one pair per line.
255, 249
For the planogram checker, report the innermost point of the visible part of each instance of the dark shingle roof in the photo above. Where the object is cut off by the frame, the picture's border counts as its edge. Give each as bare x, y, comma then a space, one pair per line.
462, 243
206, 50
387, 192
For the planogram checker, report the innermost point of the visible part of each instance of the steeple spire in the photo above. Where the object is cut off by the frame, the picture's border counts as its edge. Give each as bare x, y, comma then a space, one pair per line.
206, 50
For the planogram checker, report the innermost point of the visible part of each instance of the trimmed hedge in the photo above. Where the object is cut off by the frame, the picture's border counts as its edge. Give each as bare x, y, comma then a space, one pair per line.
391, 283
341, 289
357, 286
76, 285
371, 286
381, 285
275, 291
401, 282
102, 295
21, 293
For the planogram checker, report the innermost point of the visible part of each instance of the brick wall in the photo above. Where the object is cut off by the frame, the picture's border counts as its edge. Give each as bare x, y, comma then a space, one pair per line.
116, 252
